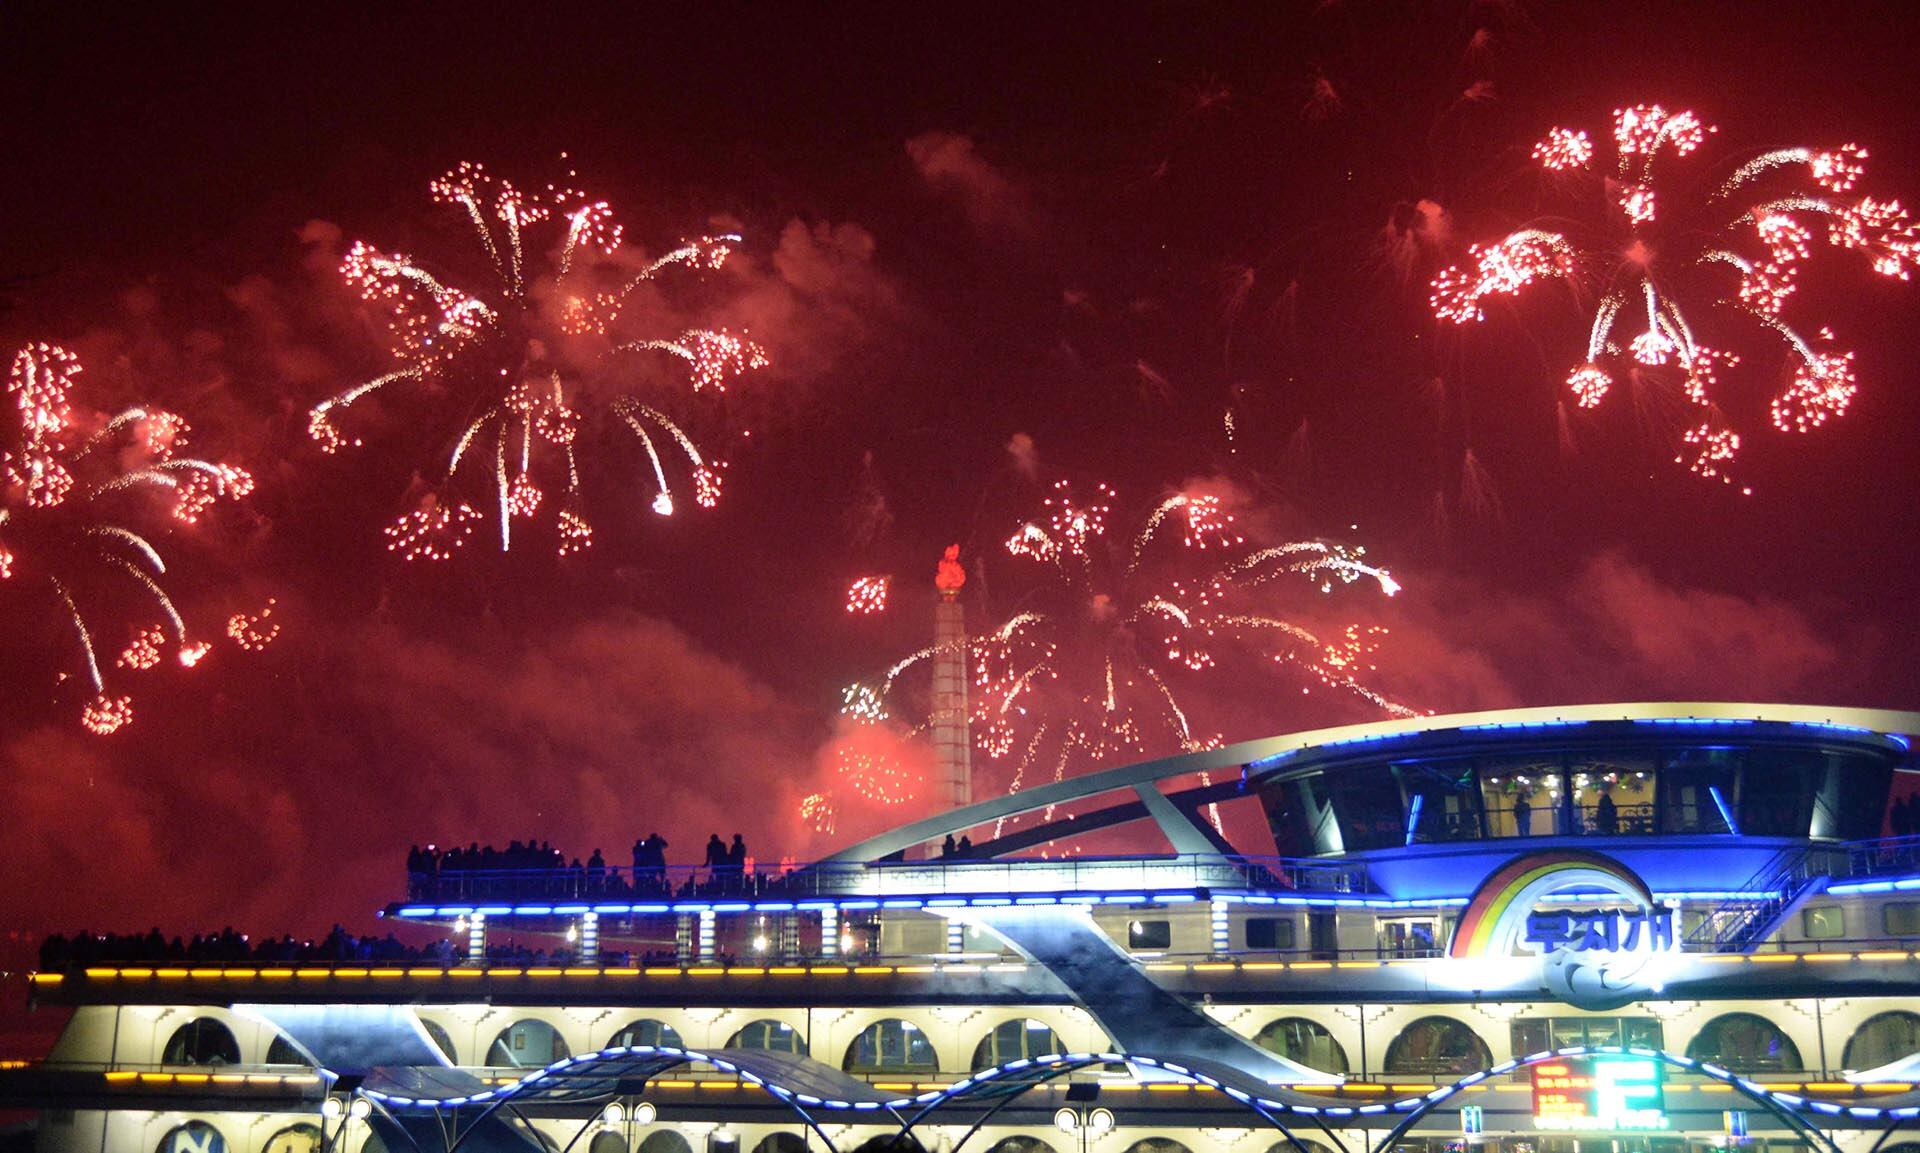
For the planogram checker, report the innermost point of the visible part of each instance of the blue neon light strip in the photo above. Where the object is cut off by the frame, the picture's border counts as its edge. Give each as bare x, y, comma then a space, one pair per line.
1170, 897
1890, 885
1066, 1061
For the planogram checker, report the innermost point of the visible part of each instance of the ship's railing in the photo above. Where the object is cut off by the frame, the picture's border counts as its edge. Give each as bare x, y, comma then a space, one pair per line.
1882, 856
945, 875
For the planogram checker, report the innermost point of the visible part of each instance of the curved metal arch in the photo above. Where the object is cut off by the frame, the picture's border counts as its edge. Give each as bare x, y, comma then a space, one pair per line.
1303, 747
506, 1096
1781, 1105
1058, 1065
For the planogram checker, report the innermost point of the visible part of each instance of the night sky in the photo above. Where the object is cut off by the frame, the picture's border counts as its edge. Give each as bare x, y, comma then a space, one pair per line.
987, 248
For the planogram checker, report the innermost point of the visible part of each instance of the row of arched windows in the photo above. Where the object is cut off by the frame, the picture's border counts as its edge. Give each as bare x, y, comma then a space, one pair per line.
1431, 1046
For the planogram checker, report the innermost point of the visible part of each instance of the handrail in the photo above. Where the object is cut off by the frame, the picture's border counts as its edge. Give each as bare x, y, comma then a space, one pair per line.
932, 877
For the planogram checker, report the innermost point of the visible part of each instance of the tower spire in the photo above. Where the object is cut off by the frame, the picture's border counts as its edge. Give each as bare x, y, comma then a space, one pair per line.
952, 742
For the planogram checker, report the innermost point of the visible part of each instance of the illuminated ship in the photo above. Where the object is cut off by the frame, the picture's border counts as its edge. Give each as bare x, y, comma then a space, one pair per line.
1642, 928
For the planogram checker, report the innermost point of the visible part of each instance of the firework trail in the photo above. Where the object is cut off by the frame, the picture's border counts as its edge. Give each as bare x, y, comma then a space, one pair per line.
1095, 664
1662, 256
71, 499
500, 364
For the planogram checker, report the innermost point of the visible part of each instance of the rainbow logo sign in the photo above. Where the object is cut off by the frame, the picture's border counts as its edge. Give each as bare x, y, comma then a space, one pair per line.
1592, 954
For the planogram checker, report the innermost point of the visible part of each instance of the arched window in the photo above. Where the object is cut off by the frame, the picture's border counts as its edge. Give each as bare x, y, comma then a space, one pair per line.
373, 1144
1157, 1145
1882, 1040
437, 1033
648, 1033
781, 1143
1012, 1040
284, 1052
1311, 1146
1437, 1046
891, 1046
201, 1041
607, 1141
1745, 1043
192, 1137
1020, 1145
527, 1044
664, 1141
1303, 1042
776, 1036
300, 1138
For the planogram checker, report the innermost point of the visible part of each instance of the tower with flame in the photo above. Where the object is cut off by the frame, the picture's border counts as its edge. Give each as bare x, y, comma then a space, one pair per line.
952, 744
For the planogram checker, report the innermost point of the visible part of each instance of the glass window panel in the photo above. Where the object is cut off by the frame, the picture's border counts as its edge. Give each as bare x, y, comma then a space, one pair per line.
1303, 1042
1603, 1030
1443, 802
1612, 794
1824, 923
1270, 933
1531, 1035
1745, 1043
1644, 1033
891, 1044
1366, 803
1149, 935
1776, 790
1882, 1040
1695, 785
1521, 796
1902, 918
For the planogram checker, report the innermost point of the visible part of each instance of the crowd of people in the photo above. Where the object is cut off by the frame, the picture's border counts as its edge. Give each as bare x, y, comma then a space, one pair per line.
537, 869
231, 947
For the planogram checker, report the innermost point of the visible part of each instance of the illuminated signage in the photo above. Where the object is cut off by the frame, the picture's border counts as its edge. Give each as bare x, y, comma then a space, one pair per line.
1599, 1094
1598, 958
1602, 930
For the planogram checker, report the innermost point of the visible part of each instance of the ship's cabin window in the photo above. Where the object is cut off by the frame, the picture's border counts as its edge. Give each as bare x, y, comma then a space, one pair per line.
1745, 1043
1366, 802
1612, 794
1521, 796
296, 1138
1276, 933
1409, 936
781, 1142
891, 1045
201, 1041
192, 1137
1441, 805
1157, 1145
1018, 1144
664, 1140
283, 1052
775, 1036
607, 1141
1012, 1040
527, 1044
437, 1033
1435, 1046
1901, 918
1824, 922
1149, 934
1540, 1034
1698, 789
1306, 1143
648, 1033
1882, 1040
1303, 1042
